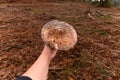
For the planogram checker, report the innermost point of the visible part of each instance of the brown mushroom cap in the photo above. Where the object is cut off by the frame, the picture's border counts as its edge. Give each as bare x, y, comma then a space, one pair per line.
59, 35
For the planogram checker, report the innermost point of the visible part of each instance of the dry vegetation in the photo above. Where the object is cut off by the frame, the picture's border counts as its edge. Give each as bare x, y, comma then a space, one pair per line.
95, 57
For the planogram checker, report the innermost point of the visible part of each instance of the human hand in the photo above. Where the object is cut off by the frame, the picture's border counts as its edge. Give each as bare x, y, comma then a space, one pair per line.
50, 52
39, 70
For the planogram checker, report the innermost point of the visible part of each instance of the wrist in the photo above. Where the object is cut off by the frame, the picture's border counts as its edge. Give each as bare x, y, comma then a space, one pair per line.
45, 56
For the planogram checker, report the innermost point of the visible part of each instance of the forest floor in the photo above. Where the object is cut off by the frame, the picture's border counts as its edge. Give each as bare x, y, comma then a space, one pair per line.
96, 56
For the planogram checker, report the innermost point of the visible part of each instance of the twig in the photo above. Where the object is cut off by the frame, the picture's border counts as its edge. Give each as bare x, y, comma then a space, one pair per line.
89, 15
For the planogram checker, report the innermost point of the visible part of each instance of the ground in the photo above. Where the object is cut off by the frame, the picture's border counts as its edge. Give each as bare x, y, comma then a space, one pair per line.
96, 56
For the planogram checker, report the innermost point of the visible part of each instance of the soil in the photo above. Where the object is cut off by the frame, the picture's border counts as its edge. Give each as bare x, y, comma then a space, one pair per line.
96, 56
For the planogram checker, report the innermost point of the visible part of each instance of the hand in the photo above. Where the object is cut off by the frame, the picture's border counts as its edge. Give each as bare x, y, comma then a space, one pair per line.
51, 52
39, 70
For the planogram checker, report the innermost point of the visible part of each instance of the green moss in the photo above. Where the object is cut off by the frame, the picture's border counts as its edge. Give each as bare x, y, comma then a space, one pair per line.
103, 71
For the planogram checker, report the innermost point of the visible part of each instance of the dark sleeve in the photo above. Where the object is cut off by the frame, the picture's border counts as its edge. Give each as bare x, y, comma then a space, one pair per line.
23, 78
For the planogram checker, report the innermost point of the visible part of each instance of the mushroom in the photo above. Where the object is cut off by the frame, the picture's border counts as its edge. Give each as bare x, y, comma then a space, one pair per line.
59, 35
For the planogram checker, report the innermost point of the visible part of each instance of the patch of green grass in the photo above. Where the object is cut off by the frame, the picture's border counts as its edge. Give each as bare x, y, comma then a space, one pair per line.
70, 70
78, 12
90, 29
74, 69
99, 17
109, 22
108, 17
73, 16
93, 30
34, 12
86, 57
74, 19
102, 32
103, 71
100, 79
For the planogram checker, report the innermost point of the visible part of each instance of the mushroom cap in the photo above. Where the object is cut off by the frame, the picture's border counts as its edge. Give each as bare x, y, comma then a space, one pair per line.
59, 35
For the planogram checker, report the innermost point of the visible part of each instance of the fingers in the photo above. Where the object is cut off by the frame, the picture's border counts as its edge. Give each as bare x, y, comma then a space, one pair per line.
47, 49
50, 52
55, 51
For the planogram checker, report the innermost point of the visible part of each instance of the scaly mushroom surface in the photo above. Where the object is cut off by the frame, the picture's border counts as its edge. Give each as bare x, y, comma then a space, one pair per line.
59, 35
